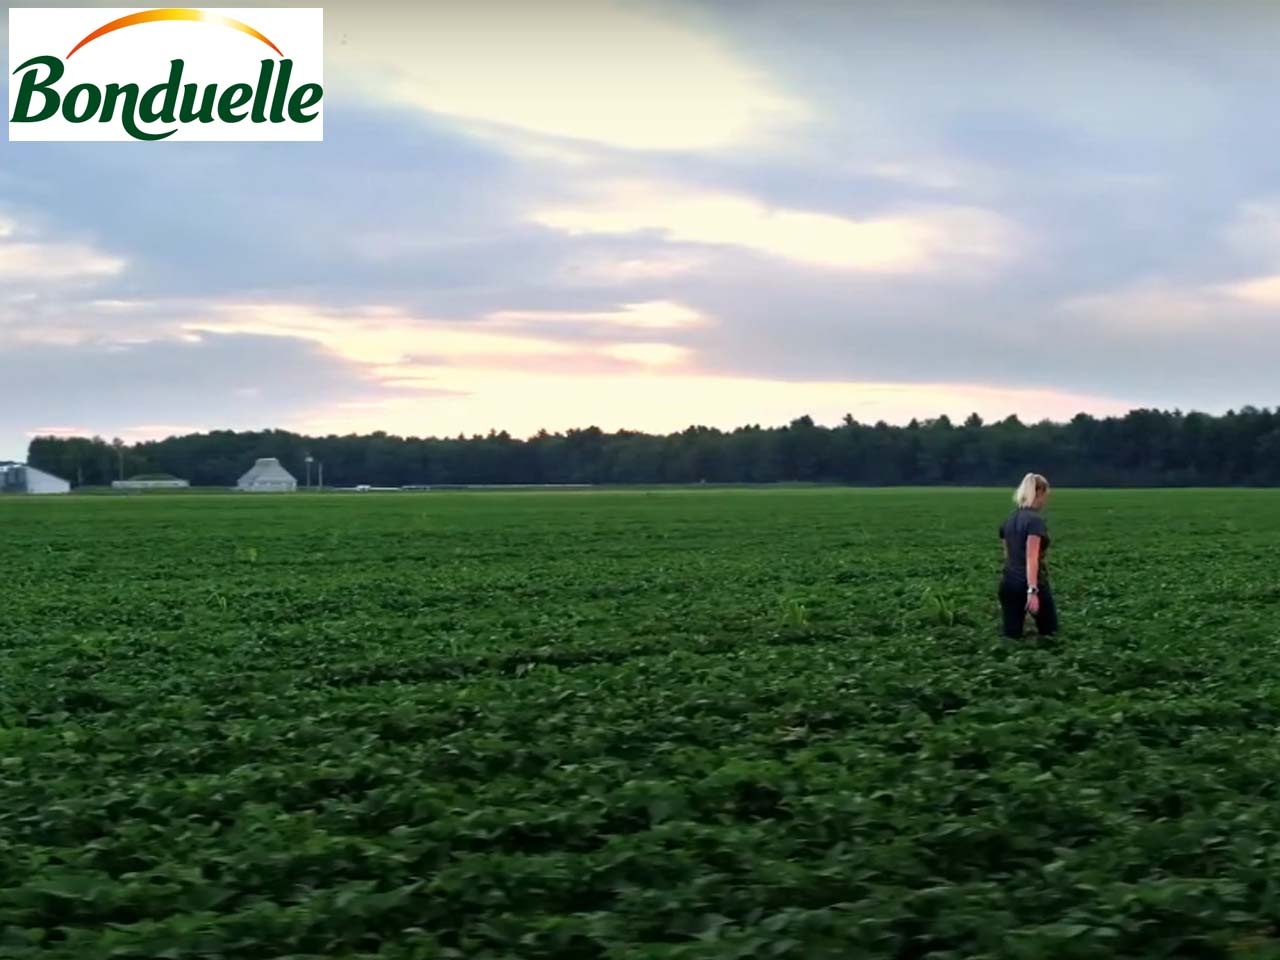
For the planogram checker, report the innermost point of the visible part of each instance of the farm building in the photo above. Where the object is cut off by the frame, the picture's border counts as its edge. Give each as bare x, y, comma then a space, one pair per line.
267, 476
20, 478
154, 481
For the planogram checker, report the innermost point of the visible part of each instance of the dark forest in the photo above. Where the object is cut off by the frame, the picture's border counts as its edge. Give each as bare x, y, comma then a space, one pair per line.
1142, 448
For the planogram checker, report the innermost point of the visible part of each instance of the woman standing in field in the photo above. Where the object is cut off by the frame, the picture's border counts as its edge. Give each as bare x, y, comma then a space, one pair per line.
1024, 585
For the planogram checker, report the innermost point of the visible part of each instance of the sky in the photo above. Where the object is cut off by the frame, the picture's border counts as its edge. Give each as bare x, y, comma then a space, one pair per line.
647, 215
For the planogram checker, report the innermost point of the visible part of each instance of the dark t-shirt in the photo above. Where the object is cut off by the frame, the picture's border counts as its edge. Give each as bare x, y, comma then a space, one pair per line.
1022, 523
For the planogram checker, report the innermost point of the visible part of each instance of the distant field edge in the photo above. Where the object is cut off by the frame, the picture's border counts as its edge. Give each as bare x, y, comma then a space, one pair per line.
570, 488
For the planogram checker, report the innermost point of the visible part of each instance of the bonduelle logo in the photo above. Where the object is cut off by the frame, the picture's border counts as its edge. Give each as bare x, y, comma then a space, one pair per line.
173, 73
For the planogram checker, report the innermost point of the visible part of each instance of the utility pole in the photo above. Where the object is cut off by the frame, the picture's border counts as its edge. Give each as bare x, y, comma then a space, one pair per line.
322, 476
309, 460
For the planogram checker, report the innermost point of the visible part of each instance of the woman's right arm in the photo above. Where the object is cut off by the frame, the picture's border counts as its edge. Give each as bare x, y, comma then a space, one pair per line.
1033, 571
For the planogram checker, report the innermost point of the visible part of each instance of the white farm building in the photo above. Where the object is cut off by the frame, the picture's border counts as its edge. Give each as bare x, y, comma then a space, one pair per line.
267, 476
174, 484
20, 478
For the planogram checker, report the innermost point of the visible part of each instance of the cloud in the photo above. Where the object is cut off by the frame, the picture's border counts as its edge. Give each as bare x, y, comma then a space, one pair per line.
1253, 234
1254, 229
1264, 291
620, 267
847, 202
1169, 308
650, 354
915, 240
407, 352
652, 315
1148, 308
59, 431
425, 210
192, 384
30, 260
602, 72
38, 263
149, 431
382, 336
612, 403
1205, 346
139, 433
536, 148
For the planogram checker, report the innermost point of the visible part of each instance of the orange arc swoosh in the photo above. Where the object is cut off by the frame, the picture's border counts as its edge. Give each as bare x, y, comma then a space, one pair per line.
172, 13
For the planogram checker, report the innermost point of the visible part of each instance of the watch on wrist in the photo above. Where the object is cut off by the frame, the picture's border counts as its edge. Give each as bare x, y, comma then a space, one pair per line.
1033, 590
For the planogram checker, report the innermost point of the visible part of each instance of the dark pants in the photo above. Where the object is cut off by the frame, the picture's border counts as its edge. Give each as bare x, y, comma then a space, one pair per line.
1013, 606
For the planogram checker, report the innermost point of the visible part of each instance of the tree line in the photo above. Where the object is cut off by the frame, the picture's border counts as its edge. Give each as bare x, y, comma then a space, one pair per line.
1143, 448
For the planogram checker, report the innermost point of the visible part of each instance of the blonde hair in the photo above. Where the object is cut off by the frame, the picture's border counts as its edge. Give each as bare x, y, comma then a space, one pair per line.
1033, 485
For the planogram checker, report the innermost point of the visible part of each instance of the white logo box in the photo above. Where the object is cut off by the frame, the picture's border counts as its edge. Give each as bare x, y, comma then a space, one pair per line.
219, 46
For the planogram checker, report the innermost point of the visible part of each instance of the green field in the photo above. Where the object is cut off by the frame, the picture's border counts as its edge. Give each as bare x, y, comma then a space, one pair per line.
665, 724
